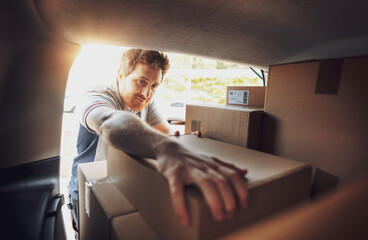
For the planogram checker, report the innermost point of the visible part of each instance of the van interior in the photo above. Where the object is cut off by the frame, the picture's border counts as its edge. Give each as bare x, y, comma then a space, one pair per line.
316, 46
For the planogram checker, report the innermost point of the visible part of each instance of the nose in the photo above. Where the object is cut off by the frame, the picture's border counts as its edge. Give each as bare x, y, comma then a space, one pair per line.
147, 92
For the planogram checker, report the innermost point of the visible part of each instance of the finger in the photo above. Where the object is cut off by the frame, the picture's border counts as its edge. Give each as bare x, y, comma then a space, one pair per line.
203, 162
226, 192
176, 133
210, 192
196, 133
238, 184
232, 166
178, 200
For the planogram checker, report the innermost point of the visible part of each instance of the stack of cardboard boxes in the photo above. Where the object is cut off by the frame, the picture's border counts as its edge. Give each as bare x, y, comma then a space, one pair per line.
306, 119
239, 122
133, 191
273, 183
104, 212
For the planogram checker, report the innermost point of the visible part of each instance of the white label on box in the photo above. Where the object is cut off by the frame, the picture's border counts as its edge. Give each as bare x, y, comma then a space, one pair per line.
87, 191
238, 97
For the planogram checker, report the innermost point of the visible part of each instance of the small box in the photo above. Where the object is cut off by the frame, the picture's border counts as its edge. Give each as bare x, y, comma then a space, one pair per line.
132, 226
274, 183
106, 202
88, 173
99, 201
245, 96
237, 125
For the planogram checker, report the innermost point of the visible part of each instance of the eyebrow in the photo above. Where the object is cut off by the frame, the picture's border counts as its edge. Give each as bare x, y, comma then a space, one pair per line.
143, 77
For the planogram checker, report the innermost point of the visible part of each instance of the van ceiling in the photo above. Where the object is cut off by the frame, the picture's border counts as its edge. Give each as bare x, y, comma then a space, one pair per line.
255, 32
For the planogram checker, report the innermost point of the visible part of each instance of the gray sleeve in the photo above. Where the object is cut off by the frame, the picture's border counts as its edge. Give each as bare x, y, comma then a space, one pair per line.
91, 101
153, 115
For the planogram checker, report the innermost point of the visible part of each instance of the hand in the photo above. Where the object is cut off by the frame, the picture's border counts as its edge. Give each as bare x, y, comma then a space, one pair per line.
221, 184
197, 133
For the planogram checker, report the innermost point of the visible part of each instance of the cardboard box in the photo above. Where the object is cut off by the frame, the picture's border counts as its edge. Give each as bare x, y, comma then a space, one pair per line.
106, 202
274, 183
232, 124
132, 226
329, 218
95, 192
316, 112
91, 173
246, 96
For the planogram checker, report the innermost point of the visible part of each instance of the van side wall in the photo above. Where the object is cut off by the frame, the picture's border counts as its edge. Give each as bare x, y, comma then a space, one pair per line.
34, 68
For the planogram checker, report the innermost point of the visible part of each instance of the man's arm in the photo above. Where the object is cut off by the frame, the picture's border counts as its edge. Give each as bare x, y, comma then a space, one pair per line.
221, 183
164, 127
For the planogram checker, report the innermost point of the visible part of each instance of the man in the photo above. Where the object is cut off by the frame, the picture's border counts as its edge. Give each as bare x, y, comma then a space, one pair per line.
125, 116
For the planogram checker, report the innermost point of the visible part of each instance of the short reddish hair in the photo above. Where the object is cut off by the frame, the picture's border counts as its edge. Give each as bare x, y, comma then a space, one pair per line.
154, 59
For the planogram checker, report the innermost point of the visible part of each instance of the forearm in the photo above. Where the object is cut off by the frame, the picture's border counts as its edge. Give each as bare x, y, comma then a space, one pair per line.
130, 134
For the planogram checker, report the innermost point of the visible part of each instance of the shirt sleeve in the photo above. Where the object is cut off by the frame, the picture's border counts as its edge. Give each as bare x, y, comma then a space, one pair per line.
91, 101
153, 115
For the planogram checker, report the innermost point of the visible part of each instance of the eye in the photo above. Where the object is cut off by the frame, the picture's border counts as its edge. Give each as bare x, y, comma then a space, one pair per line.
141, 82
154, 86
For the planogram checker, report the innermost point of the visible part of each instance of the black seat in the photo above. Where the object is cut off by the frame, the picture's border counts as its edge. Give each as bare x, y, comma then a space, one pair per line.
30, 202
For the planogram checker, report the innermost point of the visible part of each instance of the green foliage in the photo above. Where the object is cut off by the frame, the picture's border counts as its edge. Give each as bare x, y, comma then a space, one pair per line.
178, 86
201, 90
213, 90
225, 65
177, 83
179, 61
198, 63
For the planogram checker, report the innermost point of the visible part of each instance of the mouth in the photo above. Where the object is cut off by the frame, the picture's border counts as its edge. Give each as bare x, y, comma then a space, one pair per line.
140, 99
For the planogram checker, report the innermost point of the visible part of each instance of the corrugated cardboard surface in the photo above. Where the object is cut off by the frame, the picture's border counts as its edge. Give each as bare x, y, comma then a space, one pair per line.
256, 97
94, 171
327, 129
132, 226
237, 125
106, 202
342, 215
274, 183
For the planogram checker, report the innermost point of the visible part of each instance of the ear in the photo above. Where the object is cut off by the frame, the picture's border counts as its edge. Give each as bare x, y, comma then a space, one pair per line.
120, 74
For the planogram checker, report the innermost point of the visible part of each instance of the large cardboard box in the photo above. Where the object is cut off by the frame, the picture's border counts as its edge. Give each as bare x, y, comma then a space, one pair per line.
237, 125
274, 183
132, 226
329, 218
316, 112
246, 96
99, 201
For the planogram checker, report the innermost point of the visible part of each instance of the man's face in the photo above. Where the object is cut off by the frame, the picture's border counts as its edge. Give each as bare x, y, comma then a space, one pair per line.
137, 89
